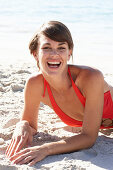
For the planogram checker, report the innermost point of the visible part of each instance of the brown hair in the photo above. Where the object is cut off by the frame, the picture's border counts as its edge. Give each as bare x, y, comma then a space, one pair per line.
54, 30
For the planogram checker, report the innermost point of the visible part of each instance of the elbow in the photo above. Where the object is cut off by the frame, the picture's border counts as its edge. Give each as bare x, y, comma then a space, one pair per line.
90, 144
91, 141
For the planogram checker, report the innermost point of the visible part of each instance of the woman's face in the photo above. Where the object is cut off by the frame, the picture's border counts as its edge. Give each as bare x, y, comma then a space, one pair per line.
52, 55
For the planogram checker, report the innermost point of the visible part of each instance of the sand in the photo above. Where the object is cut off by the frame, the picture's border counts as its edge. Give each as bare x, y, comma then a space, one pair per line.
12, 82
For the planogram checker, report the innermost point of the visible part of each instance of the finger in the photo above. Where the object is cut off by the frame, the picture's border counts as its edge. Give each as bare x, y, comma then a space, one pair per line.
30, 139
33, 131
34, 161
13, 148
21, 144
8, 148
18, 154
20, 157
12, 151
26, 160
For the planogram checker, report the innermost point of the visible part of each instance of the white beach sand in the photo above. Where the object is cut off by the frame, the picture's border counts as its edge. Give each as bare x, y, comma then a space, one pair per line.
92, 32
12, 81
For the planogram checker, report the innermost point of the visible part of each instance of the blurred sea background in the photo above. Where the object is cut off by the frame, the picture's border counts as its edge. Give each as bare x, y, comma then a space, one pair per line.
90, 22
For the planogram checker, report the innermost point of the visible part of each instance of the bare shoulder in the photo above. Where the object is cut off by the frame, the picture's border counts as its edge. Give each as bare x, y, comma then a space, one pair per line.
88, 74
87, 77
33, 80
85, 72
34, 85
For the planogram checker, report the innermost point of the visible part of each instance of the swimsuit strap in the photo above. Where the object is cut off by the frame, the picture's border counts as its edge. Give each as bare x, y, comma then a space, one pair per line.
45, 85
65, 118
77, 91
108, 105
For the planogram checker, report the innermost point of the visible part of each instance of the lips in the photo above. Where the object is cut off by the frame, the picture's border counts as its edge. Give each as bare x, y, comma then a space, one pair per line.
53, 64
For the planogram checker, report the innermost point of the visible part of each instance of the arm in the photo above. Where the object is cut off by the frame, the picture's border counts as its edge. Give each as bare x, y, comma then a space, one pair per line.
31, 103
93, 87
27, 127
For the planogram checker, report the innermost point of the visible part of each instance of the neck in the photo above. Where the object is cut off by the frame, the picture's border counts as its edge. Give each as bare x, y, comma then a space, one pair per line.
60, 82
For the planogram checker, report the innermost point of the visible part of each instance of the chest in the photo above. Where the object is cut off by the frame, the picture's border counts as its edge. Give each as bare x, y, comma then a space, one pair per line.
68, 102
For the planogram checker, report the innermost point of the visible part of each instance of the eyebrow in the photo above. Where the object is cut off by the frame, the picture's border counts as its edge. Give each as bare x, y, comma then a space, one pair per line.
62, 43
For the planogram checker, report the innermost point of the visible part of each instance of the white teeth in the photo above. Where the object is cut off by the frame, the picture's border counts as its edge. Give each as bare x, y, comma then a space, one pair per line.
53, 62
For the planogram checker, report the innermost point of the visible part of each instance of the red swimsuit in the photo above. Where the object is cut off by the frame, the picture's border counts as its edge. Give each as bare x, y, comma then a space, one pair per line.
107, 110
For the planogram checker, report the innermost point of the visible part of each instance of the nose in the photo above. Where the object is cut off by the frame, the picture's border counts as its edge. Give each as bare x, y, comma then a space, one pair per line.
54, 52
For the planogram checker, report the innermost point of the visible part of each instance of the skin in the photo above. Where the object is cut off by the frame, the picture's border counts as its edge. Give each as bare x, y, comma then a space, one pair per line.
91, 84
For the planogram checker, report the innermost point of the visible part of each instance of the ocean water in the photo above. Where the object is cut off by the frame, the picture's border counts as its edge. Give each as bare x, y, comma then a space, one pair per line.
90, 22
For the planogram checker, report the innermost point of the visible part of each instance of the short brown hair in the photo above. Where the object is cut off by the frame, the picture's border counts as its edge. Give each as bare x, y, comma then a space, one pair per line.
54, 30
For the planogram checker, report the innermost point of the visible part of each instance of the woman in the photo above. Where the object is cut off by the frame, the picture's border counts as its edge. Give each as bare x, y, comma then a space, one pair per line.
79, 95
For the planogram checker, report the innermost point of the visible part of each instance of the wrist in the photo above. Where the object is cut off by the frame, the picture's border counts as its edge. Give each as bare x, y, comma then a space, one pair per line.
47, 148
54, 147
23, 122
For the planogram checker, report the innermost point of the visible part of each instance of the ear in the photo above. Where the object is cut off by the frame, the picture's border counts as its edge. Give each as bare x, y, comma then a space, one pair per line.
35, 55
70, 53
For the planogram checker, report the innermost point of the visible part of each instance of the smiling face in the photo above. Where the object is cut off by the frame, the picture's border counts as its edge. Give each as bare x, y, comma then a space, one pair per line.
52, 55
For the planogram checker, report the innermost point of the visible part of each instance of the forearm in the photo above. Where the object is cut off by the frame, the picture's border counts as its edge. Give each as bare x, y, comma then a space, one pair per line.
70, 144
31, 118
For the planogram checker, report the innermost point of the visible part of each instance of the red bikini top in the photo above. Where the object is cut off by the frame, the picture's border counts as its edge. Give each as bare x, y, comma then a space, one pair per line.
65, 118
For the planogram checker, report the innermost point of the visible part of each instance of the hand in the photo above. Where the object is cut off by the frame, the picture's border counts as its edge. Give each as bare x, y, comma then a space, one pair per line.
30, 155
23, 134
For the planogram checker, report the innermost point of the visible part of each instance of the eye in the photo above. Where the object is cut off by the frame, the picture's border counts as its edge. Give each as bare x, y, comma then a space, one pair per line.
46, 48
61, 48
